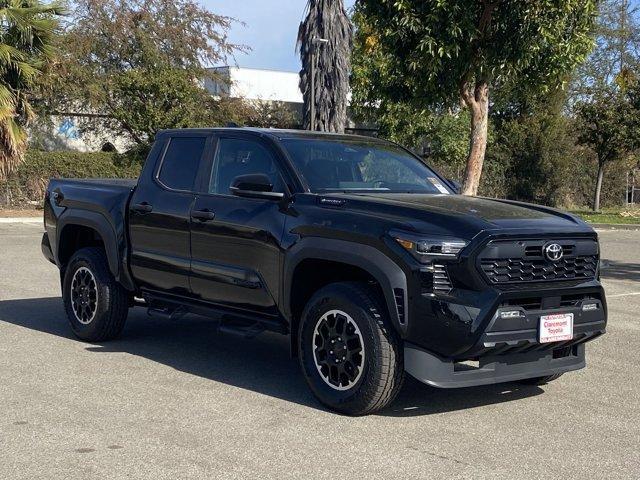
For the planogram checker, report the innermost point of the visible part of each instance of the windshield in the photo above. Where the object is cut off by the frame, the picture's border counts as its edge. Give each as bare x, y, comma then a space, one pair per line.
339, 165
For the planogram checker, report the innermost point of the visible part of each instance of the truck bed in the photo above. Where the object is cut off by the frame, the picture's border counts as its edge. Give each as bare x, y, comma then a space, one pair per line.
99, 203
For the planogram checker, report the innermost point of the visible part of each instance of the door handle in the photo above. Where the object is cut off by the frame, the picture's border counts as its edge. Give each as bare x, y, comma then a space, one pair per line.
143, 207
203, 215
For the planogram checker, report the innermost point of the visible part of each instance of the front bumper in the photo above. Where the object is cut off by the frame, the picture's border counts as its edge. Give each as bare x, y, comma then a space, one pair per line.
520, 334
440, 372
507, 348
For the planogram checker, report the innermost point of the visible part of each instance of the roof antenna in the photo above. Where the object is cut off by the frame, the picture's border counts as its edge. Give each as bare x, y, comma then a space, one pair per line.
232, 125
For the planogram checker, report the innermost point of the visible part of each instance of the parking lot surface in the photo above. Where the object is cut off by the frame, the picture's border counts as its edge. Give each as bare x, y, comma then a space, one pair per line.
176, 400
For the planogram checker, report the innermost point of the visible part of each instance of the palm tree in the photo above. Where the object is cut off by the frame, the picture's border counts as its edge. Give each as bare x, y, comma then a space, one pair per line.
27, 30
328, 20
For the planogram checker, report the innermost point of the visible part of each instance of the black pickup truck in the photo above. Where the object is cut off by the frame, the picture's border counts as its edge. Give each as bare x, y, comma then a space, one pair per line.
352, 246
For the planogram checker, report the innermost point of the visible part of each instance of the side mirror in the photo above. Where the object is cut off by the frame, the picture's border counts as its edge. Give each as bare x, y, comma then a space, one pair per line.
455, 185
254, 185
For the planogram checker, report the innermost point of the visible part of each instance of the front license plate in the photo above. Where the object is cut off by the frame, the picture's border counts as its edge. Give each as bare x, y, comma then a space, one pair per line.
556, 328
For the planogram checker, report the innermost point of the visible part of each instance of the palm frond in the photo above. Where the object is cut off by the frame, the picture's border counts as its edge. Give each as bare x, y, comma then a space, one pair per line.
326, 19
12, 146
27, 32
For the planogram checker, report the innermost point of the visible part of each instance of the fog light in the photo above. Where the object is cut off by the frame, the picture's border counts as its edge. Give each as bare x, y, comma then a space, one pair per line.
588, 307
510, 314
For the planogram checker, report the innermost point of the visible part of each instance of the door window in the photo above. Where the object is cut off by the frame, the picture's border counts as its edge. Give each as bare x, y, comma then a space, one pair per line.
181, 161
237, 156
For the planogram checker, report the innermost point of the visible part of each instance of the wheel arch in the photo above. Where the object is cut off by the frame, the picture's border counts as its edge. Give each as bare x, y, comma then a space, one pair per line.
73, 229
347, 261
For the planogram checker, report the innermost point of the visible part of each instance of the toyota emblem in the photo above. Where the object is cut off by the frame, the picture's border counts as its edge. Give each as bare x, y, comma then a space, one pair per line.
553, 252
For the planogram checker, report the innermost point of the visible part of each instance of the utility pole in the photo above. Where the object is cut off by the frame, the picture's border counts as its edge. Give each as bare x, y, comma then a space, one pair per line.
624, 10
315, 43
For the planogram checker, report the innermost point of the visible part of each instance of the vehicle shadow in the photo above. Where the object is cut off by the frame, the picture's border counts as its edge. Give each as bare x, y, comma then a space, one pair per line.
417, 399
194, 346
620, 270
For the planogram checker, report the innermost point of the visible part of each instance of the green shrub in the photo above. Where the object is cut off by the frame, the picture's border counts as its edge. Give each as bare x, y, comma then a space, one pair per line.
27, 184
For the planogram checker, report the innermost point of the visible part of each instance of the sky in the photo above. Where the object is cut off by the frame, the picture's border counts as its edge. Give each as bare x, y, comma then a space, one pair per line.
270, 30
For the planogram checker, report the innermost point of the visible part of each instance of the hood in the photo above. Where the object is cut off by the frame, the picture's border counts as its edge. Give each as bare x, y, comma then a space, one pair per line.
482, 213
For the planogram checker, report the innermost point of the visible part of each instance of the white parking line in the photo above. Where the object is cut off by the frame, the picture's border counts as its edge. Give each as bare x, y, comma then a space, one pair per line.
623, 295
26, 220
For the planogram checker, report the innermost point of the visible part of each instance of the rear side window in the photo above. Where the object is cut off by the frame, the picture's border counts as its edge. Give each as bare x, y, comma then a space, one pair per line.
181, 161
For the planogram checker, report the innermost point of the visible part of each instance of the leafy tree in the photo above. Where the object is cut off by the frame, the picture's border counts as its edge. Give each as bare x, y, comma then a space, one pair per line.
616, 56
268, 114
434, 54
325, 19
535, 141
608, 124
605, 82
137, 66
442, 138
27, 29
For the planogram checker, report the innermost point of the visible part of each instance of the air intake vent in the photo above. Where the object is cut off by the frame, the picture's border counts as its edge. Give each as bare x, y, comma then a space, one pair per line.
436, 280
398, 294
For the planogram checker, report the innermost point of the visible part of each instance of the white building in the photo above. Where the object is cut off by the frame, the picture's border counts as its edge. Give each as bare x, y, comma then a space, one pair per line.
255, 84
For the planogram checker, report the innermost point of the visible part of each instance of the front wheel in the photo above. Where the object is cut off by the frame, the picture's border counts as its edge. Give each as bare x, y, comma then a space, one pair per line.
95, 303
350, 355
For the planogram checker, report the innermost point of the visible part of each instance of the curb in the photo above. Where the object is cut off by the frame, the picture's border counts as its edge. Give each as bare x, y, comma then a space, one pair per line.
21, 220
615, 226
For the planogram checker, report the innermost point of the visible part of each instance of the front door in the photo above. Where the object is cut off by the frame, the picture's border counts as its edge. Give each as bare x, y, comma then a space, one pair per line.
159, 216
234, 240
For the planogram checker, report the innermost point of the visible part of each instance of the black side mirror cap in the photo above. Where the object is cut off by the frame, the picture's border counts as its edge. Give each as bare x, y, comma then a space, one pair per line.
254, 185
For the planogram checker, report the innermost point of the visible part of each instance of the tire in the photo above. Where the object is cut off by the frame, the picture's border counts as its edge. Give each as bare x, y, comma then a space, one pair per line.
99, 316
370, 379
540, 380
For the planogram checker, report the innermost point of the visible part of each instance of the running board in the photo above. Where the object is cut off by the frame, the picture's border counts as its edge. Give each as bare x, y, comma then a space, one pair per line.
166, 313
248, 325
225, 324
232, 327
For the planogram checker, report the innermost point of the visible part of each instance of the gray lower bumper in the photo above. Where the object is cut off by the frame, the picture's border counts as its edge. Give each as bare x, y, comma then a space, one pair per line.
439, 372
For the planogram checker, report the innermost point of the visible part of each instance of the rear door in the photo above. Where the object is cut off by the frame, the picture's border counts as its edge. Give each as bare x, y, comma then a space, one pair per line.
159, 214
235, 251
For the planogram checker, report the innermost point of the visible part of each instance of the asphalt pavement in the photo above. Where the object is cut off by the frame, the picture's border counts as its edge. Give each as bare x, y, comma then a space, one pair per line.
176, 400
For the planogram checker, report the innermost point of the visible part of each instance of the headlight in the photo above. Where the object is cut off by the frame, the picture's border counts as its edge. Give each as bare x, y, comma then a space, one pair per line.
428, 247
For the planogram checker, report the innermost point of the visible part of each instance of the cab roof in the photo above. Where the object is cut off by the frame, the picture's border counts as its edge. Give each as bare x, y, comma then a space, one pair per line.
277, 133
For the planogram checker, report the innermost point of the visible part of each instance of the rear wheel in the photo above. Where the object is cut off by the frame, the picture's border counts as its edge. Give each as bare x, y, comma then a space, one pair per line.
96, 305
540, 380
351, 357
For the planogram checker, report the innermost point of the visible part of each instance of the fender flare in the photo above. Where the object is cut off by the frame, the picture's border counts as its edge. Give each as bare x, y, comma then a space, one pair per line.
101, 225
386, 272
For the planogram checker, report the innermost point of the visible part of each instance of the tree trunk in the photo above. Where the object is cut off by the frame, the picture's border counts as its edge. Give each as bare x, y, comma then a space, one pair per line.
478, 104
596, 196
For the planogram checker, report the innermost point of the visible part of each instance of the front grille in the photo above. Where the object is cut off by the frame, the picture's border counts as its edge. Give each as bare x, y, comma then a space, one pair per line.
523, 346
536, 303
524, 303
522, 261
536, 250
521, 270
